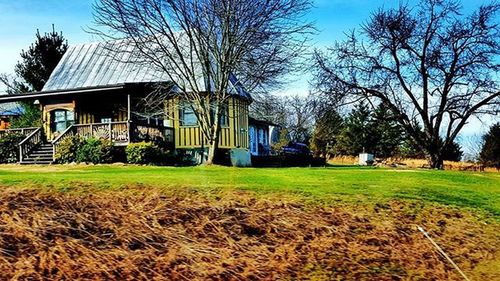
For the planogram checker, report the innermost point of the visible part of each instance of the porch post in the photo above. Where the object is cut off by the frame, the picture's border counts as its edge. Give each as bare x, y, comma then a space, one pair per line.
20, 153
128, 107
129, 122
110, 128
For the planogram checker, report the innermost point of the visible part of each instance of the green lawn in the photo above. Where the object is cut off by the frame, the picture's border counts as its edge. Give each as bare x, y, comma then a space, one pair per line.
478, 191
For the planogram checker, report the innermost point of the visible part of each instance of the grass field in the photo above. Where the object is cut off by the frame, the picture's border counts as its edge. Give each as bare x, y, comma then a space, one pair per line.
480, 191
219, 223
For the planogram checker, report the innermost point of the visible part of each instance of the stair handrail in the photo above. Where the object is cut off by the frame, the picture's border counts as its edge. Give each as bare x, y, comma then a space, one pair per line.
56, 141
58, 138
28, 143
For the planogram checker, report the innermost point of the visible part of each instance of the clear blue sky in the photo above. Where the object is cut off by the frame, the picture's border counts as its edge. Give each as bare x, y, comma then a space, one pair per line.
19, 20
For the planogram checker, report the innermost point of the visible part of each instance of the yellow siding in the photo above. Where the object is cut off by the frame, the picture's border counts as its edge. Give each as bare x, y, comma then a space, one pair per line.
46, 111
235, 135
86, 112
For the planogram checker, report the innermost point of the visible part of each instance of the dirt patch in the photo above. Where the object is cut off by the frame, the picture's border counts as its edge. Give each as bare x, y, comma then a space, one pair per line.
149, 236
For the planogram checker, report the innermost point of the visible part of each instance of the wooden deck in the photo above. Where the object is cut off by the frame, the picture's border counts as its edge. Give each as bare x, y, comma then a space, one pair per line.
119, 133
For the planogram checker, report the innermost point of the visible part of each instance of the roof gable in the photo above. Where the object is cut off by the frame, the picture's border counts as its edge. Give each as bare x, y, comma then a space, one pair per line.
100, 64
112, 63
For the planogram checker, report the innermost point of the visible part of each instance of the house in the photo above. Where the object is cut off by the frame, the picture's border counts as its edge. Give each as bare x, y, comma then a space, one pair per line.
263, 135
7, 112
96, 91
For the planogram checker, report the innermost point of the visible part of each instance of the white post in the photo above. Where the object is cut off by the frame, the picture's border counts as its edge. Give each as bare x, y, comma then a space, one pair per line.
128, 107
20, 153
128, 119
110, 132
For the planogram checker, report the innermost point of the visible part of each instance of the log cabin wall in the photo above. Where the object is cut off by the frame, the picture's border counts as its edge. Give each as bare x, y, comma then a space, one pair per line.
89, 111
233, 135
47, 109
86, 109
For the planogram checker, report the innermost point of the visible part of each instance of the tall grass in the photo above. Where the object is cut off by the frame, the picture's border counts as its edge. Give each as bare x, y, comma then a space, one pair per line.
144, 235
415, 164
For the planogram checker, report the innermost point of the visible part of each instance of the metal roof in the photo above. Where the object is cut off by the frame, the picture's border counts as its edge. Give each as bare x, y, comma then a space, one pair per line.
46, 94
111, 63
10, 109
100, 64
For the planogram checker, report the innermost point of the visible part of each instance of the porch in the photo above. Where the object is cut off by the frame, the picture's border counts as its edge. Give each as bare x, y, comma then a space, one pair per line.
35, 148
119, 133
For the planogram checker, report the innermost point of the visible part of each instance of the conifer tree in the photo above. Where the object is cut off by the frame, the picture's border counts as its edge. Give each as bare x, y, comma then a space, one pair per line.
328, 126
490, 152
357, 135
33, 71
388, 134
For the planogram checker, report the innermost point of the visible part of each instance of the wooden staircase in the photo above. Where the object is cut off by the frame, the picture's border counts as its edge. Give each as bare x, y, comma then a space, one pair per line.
41, 154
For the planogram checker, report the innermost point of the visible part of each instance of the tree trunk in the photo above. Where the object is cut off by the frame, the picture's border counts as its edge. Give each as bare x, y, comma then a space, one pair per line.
213, 145
212, 150
435, 160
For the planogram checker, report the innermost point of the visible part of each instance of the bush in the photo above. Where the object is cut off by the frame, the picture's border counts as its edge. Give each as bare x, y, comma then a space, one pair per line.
77, 149
95, 151
9, 148
67, 149
31, 116
143, 153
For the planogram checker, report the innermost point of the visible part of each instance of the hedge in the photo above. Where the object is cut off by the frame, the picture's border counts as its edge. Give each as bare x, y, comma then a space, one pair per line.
9, 148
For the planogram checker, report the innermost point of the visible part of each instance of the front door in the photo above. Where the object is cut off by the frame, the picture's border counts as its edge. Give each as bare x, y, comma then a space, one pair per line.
254, 146
60, 120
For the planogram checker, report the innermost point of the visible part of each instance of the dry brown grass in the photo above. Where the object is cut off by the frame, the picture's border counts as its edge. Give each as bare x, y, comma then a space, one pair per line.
415, 164
344, 160
145, 235
448, 165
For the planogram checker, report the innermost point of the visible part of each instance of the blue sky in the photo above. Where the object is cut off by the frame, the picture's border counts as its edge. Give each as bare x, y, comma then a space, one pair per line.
19, 20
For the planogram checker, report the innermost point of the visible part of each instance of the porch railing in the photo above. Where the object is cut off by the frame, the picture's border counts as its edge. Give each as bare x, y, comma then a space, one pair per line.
120, 133
32, 140
22, 131
116, 132
69, 132
150, 132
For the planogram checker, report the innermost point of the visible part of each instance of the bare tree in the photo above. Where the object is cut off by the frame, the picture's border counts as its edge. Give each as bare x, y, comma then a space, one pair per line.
472, 145
433, 67
294, 113
201, 44
301, 117
10, 84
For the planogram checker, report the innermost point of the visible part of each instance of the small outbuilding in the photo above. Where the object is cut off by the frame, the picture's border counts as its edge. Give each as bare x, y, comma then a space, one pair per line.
7, 112
262, 135
366, 159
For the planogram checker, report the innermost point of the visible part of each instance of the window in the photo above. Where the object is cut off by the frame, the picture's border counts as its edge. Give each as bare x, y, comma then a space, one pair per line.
224, 115
187, 116
106, 120
62, 119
